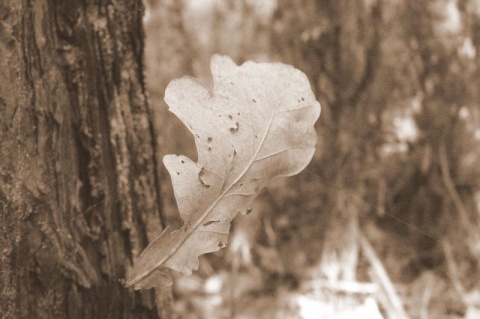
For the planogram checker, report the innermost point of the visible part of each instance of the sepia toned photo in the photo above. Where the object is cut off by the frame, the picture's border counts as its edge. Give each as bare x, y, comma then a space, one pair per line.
240, 159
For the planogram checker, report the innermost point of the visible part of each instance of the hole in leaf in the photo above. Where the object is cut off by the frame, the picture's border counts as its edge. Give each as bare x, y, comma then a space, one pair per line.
254, 101
182, 161
303, 99
209, 139
200, 175
235, 129
221, 244
178, 173
230, 116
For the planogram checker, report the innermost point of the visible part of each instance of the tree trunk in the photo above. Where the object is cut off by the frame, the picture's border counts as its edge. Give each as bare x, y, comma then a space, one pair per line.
78, 189
324, 39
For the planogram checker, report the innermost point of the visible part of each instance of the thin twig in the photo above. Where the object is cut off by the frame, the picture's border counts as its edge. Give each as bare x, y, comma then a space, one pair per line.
381, 275
426, 297
473, 237
452, 269
450, 187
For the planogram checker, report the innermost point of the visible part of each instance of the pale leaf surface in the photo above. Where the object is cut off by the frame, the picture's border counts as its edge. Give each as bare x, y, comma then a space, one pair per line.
257, 124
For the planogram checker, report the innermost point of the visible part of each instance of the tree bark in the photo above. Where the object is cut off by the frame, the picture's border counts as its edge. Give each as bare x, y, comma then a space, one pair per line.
78, 189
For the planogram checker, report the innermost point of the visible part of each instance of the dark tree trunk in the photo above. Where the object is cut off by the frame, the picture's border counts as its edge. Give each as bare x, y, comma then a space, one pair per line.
78, 189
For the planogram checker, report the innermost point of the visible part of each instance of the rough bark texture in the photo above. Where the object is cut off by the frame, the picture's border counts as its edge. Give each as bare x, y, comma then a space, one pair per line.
77, 167
168, 55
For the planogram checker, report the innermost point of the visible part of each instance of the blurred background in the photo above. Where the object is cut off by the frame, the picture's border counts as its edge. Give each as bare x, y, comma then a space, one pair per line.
385, 221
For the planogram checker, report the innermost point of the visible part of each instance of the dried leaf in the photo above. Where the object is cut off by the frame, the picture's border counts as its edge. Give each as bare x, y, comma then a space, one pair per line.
256, 125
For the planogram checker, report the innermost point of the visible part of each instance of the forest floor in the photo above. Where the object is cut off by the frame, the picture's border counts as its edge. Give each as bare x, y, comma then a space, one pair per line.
269, 271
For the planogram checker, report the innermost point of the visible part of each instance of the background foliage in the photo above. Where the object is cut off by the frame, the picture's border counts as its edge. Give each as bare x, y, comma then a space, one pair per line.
399, 153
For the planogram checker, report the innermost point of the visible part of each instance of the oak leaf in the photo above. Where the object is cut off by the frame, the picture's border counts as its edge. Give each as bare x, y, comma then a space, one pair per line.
257, 124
